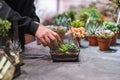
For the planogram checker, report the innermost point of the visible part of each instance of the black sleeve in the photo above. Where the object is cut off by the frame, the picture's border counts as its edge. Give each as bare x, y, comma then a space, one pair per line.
26, 23
33, 15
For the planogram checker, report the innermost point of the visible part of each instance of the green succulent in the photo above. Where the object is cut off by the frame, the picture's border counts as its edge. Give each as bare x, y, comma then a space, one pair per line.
4, 27
92, 28
110, 26
68, 47
104, 34
72, 46
77, 24
71, 15
64, 48
62, 20
85, 13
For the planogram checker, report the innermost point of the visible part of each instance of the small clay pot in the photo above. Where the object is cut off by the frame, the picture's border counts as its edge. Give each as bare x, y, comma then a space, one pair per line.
104, 44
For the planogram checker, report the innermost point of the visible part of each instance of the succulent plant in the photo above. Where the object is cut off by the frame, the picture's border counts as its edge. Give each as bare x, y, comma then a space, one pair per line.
71, 15
91, 29
64, 48
68, 47
62, 20
91, 13
78, 32
105, 34
77, 24
72, 46
4, 27
110, 26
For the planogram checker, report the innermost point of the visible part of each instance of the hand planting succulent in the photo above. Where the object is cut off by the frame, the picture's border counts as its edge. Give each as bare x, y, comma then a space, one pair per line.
65, 53
58, 29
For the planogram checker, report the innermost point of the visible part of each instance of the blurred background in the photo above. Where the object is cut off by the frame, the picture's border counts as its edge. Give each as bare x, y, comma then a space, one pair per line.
47, 9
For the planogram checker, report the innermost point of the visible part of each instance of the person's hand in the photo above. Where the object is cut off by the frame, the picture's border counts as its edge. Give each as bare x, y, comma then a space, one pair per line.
46, 36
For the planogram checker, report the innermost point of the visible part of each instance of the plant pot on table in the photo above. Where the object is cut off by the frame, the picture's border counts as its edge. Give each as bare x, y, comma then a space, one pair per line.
92, 40
104, 44
114, 39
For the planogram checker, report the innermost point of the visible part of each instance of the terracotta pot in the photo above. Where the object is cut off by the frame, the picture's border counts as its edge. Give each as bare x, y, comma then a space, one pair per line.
114, 39
92, 40
106, 18
104, 44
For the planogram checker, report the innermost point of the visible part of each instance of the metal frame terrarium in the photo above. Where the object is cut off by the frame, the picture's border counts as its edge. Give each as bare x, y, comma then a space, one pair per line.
65, 51
72, 31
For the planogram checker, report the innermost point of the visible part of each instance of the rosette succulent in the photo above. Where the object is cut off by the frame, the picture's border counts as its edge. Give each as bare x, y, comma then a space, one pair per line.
105, 34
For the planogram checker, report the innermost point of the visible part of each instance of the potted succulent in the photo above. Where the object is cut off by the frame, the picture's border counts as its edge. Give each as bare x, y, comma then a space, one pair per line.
77, 30
65, 53
111, 26
92, 38
104, 38
4, 28
91, 26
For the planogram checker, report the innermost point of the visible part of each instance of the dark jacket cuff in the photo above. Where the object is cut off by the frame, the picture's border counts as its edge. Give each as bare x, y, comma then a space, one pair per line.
33, 28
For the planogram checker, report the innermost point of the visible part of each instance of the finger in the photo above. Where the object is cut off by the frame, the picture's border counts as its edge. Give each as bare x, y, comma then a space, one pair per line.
42, 40
51, 37
47, 39
54, 40
50, 40
56, 36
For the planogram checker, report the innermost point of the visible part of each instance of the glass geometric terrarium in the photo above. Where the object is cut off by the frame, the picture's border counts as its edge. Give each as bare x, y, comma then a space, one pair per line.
67, 50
